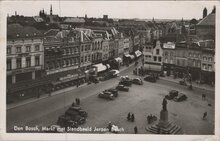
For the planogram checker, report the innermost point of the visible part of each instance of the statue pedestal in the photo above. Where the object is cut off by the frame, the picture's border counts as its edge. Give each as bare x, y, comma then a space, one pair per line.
164, 126
163, 122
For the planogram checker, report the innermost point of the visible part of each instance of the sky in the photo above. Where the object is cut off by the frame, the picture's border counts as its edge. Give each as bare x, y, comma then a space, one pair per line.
114, 9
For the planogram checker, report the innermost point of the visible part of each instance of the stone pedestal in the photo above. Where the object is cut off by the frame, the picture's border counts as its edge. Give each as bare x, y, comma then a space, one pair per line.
163, 126
163, 122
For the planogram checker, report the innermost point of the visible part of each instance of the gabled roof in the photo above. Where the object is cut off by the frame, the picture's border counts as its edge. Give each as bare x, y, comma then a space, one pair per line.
18, 31
208, 20
51, 32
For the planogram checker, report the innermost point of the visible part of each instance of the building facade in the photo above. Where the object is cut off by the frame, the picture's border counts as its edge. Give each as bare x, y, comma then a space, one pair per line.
169, 57
25, 61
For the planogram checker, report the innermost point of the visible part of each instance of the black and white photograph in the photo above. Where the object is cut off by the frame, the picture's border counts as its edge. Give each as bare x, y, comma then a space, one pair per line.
110, 67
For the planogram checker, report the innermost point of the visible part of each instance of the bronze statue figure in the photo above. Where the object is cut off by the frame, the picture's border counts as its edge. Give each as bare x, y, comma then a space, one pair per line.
164, 104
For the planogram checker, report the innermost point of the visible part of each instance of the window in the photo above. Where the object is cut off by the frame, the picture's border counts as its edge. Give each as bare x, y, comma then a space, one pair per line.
157, 51
190, 54
166, 53
37, 60
204, 66
8, 50
18, 49
67, 62
28, 48
9, 64
64, 52
37, 48
81, 47
210, 59
166, 60
64, 63
159, 58
67, 51
204, 59
81, 59
18, 63
85, 58
88, 57
194, 63
210, 67
28, 62
155, 58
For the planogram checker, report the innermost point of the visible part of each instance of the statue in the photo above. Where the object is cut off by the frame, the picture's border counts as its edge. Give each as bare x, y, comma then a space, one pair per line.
164, 104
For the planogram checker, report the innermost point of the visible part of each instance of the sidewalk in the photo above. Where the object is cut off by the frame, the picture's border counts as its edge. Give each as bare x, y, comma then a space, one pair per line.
34, 99
195, 85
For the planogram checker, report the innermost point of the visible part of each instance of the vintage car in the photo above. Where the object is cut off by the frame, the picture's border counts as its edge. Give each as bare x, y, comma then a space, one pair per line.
114, 73
77, 111
126, 82
113, 91
150, 78
106, 95
180, 97
122, 88
137, 81
66, 121
172, 94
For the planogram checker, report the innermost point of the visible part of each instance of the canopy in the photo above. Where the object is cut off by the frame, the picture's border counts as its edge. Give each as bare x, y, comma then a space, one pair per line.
100, 67
138, 53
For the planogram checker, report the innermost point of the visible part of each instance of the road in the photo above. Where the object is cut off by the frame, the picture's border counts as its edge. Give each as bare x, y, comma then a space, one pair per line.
140, 100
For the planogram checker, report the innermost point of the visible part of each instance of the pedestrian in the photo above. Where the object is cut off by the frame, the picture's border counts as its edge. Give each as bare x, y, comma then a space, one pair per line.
132, 118
129, 116
135, 129
204, 116
203, 96
110, 126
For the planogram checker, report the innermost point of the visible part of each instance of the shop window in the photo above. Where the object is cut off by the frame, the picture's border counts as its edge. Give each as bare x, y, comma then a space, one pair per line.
8, 64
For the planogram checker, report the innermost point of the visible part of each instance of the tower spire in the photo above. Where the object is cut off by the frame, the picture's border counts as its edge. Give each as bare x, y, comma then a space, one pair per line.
51, 10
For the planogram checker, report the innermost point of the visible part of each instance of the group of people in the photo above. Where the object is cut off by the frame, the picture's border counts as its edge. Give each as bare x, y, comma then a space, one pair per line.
130, 117
77, 100
151, 118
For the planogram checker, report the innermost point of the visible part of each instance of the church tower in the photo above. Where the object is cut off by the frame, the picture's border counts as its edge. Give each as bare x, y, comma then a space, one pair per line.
51, 10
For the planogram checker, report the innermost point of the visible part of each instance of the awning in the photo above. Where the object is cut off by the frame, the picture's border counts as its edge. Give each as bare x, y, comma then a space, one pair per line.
138, 53
100, 67
152, 67
118, 59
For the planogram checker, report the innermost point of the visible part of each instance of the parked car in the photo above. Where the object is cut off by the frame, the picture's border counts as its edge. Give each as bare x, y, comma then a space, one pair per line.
180, 97
182, 82
122, 88
125, 77
137, 81
126, 82
113, 91
172, 94
150, 78
77, 111
66, 121
75, 116
106, 95
114, 73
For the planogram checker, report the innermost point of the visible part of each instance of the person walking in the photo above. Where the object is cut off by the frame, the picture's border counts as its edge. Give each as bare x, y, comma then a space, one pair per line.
132, 118
129, 116
204, 116
135, 130
110, 126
